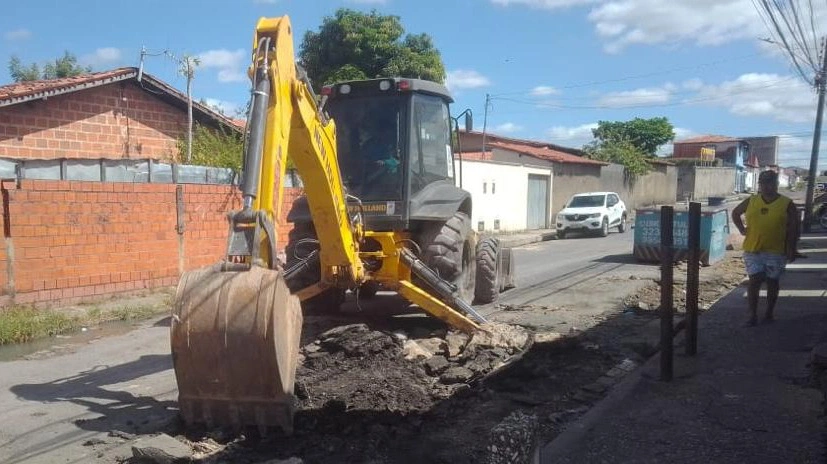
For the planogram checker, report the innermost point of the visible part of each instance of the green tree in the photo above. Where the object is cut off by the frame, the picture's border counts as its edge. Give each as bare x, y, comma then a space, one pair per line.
21, 73
620, 151
220, 149
645, 134
356, 45
65, 66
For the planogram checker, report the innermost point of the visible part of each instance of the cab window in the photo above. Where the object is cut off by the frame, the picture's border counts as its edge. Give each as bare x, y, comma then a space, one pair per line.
431, 157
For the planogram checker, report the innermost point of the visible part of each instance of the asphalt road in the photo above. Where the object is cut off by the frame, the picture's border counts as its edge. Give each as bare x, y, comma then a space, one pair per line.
565, 283
53, 403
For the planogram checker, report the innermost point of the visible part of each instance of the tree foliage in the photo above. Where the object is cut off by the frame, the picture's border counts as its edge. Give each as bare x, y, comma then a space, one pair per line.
620, 151
21, 73
356, 45
220, 149
65, 66
645, 134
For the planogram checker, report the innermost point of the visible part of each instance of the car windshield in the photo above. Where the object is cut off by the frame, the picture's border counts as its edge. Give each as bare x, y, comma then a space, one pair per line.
587, 201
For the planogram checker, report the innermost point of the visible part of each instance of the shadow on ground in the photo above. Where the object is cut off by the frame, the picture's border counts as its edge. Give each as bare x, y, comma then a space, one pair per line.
116, 409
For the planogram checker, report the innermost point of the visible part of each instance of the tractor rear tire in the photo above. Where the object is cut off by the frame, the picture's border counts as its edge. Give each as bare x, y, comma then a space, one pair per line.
487, 289
329, 300
449, 248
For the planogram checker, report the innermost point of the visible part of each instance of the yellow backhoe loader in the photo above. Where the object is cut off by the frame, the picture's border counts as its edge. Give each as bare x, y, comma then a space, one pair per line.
381, 209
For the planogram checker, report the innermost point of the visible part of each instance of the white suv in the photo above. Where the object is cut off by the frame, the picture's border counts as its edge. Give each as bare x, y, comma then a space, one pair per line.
590, 212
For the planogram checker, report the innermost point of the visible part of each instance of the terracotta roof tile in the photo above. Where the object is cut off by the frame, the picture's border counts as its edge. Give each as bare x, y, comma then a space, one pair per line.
494, 138
31, 90
11, 92
547, 154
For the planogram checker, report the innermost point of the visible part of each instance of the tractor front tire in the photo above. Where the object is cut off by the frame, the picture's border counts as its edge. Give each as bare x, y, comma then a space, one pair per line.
449, 248
487, 288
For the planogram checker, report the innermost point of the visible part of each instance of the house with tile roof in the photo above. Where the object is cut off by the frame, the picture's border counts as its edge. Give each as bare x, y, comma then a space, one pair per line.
722, 151
522, 184
513, 181
122, 114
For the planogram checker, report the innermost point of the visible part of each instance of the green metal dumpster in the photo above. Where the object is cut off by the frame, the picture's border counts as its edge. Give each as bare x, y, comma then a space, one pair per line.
714, 233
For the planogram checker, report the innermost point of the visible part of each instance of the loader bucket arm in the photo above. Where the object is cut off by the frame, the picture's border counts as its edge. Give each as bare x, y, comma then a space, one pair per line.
236, 327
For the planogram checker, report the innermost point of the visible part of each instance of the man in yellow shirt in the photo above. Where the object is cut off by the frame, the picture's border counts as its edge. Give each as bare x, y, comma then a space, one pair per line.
770, 240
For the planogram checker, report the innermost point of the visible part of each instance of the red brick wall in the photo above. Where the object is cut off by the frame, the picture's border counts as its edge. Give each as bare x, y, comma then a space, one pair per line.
118, 120
74, 241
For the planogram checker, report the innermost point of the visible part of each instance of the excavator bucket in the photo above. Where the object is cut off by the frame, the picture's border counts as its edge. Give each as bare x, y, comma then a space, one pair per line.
235, 338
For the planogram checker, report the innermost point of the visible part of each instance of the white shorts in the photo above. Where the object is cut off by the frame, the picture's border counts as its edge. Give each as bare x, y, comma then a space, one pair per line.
771, 264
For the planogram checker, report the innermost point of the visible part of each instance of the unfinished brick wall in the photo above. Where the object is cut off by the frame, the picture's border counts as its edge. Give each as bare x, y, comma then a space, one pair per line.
73, 241
111, 121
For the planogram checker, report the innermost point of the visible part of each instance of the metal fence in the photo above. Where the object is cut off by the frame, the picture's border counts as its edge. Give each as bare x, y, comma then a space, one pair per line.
109, 170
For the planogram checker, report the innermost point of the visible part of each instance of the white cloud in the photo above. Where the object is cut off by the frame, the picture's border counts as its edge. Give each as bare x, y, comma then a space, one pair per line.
680, 134
575, 136
693, 84
465, 79
683, 133
705, 22
543, 4
228, 62
783, 98
544, 91
507, 128
630, 98
227, 108
18, 34
102, 57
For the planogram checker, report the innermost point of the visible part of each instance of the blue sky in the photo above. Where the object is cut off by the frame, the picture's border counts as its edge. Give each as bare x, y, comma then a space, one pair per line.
553, 68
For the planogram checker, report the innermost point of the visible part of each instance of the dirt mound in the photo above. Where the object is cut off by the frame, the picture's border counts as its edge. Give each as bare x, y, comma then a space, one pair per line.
378, 385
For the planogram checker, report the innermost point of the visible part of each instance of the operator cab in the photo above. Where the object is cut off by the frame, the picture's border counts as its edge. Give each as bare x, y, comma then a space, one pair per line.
394, 146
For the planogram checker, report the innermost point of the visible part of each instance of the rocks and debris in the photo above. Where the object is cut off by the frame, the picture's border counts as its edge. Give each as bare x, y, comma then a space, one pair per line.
205, 448
715, 281
292, 460
498, 335
122, 435
356, 340
412, 350
94, 442
456, 342
434, 345
547, 337
436, 365
513, 440
160, 449
456, 375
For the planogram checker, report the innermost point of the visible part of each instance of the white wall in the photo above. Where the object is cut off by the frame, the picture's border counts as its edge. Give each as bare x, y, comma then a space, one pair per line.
507, 203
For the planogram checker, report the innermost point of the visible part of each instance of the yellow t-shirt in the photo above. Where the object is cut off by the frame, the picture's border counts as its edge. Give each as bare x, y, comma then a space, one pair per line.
766, 225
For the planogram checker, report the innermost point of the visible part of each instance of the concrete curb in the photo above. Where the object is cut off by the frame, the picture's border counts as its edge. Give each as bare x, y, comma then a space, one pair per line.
518, 240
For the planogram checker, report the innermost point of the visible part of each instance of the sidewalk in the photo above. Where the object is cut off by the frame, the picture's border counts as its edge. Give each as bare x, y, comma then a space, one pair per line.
516, 239
746, 396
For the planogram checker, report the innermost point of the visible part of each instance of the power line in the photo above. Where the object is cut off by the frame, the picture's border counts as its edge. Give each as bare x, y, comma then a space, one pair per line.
650, 105
636, 76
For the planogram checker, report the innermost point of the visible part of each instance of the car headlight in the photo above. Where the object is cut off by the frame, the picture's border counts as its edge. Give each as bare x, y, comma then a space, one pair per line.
560, 217
595, 215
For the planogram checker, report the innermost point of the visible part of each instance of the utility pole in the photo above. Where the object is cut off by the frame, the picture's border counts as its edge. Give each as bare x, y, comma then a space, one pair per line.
188, 65
485, 122
820, 79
